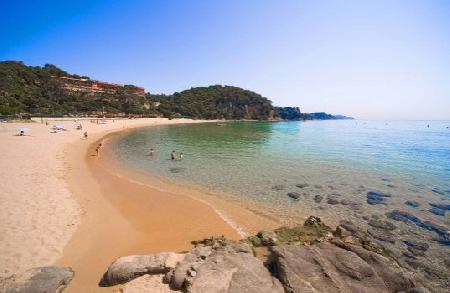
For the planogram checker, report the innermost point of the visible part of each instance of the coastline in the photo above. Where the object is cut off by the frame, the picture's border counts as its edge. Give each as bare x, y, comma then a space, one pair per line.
125, 213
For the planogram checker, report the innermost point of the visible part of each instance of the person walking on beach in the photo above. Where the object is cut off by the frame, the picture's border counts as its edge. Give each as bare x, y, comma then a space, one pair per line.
172, 155
151, 152
97, 149
85, 135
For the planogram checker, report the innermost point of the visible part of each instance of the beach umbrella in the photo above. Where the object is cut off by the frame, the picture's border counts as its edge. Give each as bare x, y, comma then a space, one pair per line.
23, 129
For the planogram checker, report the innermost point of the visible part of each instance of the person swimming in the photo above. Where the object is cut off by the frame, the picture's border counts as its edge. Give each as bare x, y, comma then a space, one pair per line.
172, 155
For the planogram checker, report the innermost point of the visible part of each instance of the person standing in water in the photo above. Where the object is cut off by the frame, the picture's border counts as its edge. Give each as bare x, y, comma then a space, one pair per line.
172, 155
151, 152
181, 156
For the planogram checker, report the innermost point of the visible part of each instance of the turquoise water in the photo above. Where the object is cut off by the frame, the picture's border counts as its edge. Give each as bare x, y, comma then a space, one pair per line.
264, 160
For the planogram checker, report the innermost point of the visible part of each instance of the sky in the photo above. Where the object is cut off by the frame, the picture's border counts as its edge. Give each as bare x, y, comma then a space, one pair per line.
367, 59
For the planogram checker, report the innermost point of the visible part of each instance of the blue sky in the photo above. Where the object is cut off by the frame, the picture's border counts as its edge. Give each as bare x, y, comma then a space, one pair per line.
367, 59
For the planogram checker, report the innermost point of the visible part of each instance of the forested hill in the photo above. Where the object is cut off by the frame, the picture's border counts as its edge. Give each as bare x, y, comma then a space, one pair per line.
216, 102
51, 91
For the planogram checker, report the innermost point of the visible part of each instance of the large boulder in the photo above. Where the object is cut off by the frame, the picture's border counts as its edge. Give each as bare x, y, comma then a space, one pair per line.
344, 267
38, 280
228, 267
130, 267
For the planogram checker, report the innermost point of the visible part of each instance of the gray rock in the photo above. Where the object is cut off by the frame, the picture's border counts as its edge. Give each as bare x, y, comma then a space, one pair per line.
38, 280
130, 267
337, 268
229, 268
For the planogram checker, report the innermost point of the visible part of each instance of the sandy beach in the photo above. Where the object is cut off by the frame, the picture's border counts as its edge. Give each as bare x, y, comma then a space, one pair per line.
65, 206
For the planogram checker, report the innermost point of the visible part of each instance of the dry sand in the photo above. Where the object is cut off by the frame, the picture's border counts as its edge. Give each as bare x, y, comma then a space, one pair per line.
63, 205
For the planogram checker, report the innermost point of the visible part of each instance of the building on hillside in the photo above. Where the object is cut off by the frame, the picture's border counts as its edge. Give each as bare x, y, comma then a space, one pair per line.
91, 86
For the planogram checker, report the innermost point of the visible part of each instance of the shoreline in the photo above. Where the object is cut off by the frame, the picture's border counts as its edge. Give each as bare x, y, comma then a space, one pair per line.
49, 196
123, 214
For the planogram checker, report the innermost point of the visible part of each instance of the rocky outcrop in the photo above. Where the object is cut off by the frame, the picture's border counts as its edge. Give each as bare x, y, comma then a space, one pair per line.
306, 258
229, 267
337, 267
38, 280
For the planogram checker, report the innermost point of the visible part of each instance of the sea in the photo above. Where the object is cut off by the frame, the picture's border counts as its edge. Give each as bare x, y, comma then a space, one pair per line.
265, 160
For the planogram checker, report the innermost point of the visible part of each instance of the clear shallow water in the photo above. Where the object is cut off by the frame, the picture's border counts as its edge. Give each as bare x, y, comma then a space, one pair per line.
264, 160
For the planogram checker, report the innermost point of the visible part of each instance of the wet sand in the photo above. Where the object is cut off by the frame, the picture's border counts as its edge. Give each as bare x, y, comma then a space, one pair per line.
125, 213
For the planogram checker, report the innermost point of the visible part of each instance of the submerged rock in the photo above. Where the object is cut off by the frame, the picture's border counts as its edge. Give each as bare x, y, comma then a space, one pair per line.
333, 200
437, 211
302, 185
176, 170
445, 207
438, 191
416, 245
42, 279
294, 195
278, 187
427, 225
412, 203
376, 197
318, 198
380, 224
381, 235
